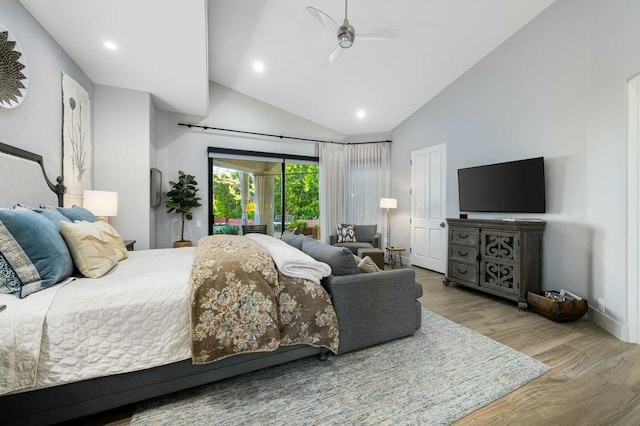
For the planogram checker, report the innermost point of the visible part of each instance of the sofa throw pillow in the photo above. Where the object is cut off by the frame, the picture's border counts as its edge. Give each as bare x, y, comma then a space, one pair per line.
346, 234
34, 249
92, 254
340, 259
77, 213
292, 239
113, 237
367, 265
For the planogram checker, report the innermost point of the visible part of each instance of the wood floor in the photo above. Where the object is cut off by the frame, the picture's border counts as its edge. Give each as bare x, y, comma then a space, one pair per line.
594, 377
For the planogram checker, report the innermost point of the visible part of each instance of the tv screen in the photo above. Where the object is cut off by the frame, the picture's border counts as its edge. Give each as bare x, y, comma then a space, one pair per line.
513, 187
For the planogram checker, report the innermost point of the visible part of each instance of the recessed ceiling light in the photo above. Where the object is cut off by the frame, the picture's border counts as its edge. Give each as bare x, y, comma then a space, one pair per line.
361, 114
258, 67
110, 45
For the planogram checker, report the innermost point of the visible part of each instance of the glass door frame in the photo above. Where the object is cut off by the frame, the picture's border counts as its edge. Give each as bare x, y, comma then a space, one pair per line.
211, 151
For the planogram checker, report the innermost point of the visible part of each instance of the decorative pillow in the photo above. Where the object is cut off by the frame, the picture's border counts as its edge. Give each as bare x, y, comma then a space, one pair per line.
292, 239
92, 253
9, 281
112, 236
34, 248
346, 234
340, 259
77, 213
368, 265
52, 215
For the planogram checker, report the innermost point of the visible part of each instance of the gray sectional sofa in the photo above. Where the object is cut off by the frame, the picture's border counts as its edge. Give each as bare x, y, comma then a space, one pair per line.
371, 307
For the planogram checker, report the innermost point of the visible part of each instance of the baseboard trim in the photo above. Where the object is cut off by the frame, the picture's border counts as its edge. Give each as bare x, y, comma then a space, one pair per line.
609, 324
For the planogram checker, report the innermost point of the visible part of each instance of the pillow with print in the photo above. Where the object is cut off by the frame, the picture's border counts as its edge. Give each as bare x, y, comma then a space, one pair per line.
346, 234
92, 254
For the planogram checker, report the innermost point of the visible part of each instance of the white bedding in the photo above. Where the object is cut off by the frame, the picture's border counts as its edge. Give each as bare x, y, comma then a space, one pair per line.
133, 318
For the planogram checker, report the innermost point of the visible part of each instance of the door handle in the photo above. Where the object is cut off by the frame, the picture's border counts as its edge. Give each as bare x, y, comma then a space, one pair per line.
442, 225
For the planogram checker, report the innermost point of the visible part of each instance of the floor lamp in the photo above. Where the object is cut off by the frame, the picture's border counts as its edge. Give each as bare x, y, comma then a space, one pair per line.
388, 203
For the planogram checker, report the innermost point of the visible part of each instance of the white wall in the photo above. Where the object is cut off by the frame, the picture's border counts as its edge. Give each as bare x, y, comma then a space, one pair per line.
555, 89
36, 124
180, 148
122, 150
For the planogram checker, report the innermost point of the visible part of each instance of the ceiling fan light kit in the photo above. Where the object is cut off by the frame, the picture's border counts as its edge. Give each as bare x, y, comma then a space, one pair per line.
346, 33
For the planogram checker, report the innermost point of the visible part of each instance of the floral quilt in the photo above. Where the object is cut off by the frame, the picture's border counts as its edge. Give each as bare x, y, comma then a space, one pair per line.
241, 303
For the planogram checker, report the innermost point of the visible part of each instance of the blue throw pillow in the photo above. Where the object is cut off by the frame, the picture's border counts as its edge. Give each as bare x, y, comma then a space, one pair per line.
35, 249
77, 213
51, 214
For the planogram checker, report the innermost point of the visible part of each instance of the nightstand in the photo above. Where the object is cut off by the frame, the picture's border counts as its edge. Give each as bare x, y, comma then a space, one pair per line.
129, 244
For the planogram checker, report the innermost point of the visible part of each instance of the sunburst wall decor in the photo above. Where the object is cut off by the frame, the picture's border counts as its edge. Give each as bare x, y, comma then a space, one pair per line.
13, 71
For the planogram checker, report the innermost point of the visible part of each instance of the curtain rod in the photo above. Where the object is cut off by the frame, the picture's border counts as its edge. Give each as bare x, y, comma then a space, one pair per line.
189, 125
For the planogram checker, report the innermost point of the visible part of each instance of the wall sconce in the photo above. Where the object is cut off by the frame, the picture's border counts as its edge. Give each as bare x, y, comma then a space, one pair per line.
101, 203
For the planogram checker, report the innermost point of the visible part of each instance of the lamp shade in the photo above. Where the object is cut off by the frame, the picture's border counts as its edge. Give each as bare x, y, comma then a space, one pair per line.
388, 203
101, 203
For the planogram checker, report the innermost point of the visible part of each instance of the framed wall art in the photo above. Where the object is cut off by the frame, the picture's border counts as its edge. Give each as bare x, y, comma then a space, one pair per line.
13, 71
76, 140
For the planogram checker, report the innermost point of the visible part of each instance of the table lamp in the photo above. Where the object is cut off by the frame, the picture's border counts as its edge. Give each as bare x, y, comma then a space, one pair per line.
101, 203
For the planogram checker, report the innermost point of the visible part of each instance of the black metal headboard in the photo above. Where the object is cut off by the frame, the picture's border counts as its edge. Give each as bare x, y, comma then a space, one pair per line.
59, 189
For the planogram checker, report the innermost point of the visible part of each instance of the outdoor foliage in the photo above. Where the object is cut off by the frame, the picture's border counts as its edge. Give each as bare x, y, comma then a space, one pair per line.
302, 196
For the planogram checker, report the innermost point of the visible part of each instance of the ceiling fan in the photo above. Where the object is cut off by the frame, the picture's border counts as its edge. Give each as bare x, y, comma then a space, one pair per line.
347, 34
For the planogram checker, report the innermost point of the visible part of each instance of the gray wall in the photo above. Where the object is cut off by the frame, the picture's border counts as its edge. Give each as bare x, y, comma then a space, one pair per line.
556, 89
179, 148
123, 147
36, 124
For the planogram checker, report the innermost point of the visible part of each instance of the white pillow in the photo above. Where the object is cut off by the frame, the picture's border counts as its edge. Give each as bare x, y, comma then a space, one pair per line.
92, 254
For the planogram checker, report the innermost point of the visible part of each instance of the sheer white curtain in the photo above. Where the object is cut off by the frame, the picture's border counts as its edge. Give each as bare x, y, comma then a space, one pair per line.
353, 178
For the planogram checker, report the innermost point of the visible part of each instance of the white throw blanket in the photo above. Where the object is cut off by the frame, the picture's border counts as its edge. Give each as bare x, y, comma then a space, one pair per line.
291, 261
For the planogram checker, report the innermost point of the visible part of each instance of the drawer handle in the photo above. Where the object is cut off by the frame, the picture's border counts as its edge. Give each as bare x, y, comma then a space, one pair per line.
460, 271
463, 253
463, 236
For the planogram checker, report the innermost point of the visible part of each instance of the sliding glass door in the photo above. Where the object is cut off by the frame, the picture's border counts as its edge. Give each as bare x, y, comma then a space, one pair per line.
248, 190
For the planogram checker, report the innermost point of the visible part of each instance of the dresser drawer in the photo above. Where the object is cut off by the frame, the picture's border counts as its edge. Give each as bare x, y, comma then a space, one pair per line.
464, 272
463, 253
466, 236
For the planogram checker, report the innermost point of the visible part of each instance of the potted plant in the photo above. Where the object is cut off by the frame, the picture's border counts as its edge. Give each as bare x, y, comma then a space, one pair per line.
182, 199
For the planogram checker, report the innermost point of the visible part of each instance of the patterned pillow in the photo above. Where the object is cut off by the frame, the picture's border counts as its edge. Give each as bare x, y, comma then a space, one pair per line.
112, 236
35, 250
92, 254
346, 234
9, 281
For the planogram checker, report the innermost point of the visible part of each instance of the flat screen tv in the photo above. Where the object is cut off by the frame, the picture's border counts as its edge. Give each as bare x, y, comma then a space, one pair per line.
513, 187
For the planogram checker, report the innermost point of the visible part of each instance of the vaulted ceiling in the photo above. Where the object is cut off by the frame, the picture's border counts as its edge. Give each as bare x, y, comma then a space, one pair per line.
172, 48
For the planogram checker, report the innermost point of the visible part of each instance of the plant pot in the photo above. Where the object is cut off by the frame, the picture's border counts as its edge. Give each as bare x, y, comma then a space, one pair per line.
182, 243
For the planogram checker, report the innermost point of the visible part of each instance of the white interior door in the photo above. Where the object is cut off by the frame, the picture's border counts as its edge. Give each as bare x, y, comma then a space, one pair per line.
428, 208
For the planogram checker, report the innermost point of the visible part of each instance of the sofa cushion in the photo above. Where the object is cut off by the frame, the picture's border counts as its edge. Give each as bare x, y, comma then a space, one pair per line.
346, 234
354, 246
340, 259
365, 232
294, 240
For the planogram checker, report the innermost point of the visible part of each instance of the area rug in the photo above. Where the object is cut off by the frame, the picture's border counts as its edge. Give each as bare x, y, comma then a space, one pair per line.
436, 377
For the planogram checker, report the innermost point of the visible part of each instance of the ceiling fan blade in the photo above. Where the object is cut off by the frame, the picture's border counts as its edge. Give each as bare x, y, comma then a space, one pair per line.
324, 19
334, 55
380, 34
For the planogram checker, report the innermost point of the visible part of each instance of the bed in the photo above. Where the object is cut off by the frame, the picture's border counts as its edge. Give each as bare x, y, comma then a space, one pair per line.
119, 342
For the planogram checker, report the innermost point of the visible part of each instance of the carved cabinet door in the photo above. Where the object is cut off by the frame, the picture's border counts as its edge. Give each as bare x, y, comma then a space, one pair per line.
499, 261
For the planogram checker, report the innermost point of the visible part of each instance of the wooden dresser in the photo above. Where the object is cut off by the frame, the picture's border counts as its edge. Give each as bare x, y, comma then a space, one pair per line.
503, 258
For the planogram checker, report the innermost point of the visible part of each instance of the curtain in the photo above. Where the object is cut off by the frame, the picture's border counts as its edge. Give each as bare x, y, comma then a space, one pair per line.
353, 178
264, 190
